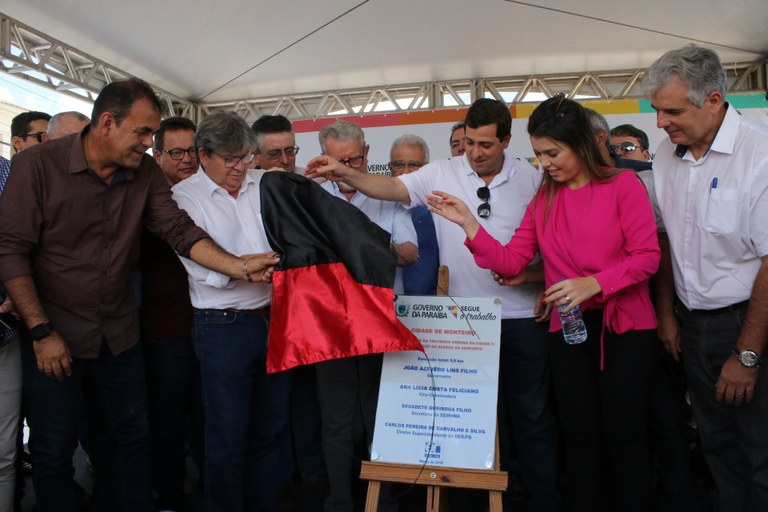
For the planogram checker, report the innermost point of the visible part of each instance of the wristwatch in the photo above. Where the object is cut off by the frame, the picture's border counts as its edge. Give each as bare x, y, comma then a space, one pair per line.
40, 331
747, 358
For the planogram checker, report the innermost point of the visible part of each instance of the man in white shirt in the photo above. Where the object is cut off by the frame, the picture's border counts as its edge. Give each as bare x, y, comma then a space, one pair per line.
500, 188
711, 189
246, 410
352, 384
276, 149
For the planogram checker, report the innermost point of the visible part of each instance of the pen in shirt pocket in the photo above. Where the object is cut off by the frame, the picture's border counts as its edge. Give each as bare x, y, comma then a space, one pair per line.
713, 184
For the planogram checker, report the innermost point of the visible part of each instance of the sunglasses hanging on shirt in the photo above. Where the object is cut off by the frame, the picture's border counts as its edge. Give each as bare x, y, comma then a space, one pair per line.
484, 210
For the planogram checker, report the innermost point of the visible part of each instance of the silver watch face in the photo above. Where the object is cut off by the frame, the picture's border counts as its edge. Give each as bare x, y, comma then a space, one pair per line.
748, 358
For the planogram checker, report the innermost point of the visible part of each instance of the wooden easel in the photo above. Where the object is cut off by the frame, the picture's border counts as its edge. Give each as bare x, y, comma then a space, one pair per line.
436, 477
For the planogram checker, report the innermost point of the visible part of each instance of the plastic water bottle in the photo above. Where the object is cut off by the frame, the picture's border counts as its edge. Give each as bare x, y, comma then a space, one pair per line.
574, 330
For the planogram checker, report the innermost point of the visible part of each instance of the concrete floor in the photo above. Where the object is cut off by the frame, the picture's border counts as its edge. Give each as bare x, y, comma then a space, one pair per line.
296, 499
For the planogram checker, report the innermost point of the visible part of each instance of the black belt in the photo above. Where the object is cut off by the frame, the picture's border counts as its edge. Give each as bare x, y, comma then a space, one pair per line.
711, 312
251, 312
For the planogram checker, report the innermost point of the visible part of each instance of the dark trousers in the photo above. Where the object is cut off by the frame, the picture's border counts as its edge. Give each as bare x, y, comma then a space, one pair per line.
610, 405
10, 405
734, 440
525, 420
246, 413
348, 388
306, 424
116, 402
175, 417
670, 435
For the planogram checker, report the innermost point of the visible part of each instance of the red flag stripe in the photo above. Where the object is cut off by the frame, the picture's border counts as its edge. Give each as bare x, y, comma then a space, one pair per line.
320, 312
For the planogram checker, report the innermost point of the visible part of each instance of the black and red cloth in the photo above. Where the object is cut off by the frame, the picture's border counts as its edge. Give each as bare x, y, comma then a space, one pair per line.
332, 291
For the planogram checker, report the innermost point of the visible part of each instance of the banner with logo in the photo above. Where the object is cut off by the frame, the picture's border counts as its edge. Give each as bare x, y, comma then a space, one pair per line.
441, 409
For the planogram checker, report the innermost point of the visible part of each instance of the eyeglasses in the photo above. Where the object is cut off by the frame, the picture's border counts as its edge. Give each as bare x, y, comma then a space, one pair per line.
354, 162
289, 152
625, 147
231, 161
178, 153
37, 135
484, 210
399, 165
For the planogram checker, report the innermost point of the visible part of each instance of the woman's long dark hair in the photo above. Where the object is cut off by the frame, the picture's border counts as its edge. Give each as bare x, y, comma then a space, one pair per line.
564, 120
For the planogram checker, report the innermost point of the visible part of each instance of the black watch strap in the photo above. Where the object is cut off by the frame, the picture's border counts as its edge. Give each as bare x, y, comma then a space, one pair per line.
40, 331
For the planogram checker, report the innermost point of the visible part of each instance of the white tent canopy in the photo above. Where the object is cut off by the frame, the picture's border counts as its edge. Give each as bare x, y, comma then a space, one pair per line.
225, 50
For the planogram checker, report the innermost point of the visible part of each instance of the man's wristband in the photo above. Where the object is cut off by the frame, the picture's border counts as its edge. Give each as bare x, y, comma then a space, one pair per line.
41, 331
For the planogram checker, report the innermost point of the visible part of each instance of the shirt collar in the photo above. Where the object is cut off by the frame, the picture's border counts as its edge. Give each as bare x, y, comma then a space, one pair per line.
78, 163
212, 188
507, 170
725, 138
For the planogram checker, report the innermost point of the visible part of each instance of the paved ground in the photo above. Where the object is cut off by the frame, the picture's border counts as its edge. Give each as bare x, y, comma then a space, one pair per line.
298, 499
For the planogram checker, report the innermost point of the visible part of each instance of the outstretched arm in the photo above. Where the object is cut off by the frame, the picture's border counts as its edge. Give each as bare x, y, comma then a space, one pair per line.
253, 267
377, 186
507, 260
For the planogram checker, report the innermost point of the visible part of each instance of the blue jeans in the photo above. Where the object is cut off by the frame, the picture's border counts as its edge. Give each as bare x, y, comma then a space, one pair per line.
246, 412
175, 416
115, 391
734, 440
525, 420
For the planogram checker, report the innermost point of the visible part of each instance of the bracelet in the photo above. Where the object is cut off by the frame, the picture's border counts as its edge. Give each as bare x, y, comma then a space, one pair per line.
245, 270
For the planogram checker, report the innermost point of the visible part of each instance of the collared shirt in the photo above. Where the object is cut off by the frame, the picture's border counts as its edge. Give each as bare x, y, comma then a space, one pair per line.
79, 239
388, 215
714, 211
511, 191
236, 225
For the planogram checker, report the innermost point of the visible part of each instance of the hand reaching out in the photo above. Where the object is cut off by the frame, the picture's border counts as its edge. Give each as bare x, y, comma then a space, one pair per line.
455, 210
